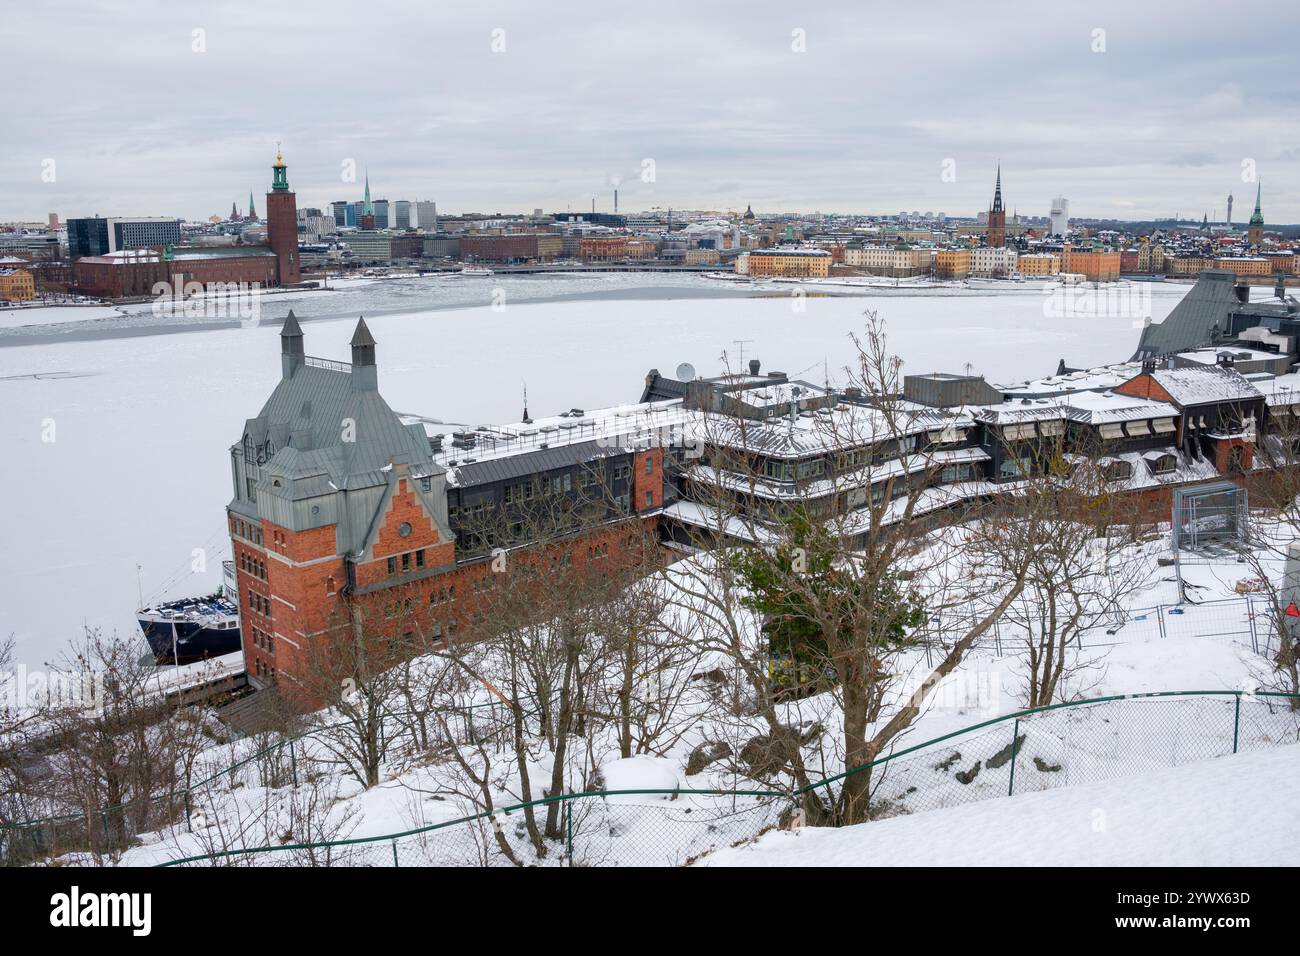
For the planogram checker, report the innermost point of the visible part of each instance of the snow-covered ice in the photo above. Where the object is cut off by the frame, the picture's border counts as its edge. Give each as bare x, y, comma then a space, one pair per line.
138, 471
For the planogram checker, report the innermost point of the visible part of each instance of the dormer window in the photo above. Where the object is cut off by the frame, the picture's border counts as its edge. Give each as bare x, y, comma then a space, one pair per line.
1163, 464
1118, 471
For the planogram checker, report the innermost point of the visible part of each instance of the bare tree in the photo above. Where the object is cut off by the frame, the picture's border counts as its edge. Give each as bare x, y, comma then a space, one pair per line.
842, 545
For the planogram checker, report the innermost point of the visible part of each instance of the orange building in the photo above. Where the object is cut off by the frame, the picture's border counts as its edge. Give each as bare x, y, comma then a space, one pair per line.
1095, 265
17, 285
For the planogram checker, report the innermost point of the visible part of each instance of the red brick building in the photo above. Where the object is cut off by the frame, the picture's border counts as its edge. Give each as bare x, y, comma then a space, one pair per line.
136, 273
342, 515
282, 224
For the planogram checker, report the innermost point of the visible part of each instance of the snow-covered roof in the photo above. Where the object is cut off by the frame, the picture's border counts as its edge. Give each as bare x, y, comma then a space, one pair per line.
1099, 408
1202, 386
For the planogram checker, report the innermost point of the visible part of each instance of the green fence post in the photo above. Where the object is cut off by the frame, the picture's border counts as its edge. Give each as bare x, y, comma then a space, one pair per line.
1015, 752
568, 829
189, 811
395, 863
293, 763
1236, 720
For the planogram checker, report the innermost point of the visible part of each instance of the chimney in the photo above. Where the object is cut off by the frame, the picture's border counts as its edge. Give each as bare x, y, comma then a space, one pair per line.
365, 376
291, 351
754, 366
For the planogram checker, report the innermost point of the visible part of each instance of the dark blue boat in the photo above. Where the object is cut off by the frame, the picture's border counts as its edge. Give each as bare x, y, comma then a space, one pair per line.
191, 629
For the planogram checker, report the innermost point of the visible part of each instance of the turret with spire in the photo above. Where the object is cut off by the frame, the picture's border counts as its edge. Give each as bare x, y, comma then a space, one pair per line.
365, 376
292, 355
252, 210
1255, 232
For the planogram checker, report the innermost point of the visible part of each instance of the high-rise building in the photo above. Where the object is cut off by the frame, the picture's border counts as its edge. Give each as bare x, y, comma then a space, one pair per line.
98, 237
401, 214
996, 236
88, 237
282, 223
145, 232
426, 215
1060, 217
381, 214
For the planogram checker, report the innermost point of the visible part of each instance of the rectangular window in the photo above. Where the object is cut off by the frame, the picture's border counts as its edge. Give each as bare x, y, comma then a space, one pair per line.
406, 561
649, 465
649, 499
419, 558
392, 565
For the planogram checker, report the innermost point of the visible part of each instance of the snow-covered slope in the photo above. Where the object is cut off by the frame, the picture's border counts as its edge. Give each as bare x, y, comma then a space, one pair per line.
1239, 811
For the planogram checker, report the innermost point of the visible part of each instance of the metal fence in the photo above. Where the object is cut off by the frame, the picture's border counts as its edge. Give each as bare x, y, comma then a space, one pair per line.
1246, 620
1040, 749
109, 828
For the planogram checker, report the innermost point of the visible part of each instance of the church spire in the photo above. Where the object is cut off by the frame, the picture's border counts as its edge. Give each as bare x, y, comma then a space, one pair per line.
252, 210
369, 208
997, 192
1257, 217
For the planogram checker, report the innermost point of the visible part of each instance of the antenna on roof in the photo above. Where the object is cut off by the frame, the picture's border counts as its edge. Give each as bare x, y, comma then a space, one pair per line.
526, 420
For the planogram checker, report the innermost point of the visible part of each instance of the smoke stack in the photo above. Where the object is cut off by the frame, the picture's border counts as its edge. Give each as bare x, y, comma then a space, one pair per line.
616, 200
754, 366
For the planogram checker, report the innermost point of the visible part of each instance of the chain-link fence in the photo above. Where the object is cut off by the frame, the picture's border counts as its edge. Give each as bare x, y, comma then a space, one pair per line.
1039, 749
1246, 620
245, 764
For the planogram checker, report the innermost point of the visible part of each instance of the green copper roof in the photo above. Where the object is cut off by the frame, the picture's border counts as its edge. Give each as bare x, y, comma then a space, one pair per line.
1257, 218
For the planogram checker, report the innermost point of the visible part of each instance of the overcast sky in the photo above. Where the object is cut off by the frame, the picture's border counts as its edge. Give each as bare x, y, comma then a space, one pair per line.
136, 122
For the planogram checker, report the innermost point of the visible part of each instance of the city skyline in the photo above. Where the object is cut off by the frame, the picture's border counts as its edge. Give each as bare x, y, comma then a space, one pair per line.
1140, 116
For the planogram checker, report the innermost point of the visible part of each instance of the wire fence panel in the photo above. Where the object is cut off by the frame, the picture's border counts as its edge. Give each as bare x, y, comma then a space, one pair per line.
1040, 749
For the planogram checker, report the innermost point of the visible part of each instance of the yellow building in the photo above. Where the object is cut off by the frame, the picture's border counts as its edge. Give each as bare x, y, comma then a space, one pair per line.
17, 285
952, 263
1151, 256
1185, 265
798, 263
1243, 265
1039, 264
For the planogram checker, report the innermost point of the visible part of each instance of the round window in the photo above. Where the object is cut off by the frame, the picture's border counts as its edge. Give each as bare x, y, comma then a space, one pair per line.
404, 529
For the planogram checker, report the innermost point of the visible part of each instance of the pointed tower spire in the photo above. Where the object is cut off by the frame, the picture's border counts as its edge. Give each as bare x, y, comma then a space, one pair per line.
252, 210
291, 345
997, 192
369, 208
364, 374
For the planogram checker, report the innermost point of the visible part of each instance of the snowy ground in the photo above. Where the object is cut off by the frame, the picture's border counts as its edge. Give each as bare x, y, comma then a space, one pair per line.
117, 450
1231, 811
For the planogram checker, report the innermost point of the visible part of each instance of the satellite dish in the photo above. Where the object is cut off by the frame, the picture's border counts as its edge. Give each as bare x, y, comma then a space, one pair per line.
686, 372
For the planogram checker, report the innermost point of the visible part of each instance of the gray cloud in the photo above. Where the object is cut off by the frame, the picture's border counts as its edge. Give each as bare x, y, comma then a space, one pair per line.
1159, 123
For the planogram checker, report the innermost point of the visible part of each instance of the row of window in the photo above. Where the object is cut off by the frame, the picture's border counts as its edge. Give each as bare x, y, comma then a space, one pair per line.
408, 561
259, 603
252, 565
263, 640
248, 531
266, 672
